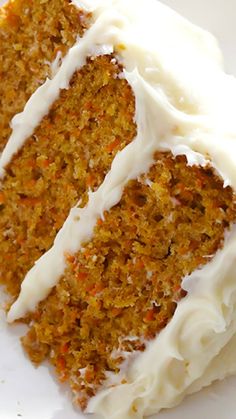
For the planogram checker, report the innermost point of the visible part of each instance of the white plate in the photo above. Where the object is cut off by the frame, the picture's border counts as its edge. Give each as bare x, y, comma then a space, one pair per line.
34, 393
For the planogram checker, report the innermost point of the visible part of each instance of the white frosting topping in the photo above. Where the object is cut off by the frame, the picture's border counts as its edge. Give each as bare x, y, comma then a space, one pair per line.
184, 103
185, 356
38, 106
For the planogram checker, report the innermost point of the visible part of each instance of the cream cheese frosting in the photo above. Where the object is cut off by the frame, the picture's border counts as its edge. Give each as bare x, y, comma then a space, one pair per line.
184, 104
187, 354
177, 109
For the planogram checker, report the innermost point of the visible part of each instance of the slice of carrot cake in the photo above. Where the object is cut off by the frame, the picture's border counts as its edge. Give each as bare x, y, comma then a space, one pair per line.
117, 198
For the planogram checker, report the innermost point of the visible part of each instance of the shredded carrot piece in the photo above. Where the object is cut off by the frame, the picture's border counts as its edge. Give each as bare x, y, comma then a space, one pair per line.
149, 316
81, 276
44, 163
116, 311
90, 180
88, 375
64, 348
113, 145
96, 289
2, 198
139, 264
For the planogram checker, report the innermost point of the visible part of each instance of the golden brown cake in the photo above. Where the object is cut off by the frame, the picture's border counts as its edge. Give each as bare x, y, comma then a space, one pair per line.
126, 282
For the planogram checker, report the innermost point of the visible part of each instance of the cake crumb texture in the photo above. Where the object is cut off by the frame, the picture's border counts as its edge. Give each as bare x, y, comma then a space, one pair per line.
68, 154
32, 32
123, 287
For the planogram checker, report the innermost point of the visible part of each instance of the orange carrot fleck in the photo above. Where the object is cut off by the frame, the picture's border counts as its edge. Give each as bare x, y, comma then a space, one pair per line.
176, 288
61, 363
13, 20
90, 180
30, 183
30, 202
149, 316
2, 198
96, 289
69, 258
81, 276
183, 250
88, 105
88, 375
139, 264
64, 348
31, 163
116, 311
44, 163
113, 145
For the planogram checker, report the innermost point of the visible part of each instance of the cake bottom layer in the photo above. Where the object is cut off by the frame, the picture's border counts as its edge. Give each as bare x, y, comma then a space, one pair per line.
122, 288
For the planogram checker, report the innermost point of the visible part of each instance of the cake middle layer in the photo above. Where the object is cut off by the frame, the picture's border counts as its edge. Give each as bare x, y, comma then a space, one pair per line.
69, 153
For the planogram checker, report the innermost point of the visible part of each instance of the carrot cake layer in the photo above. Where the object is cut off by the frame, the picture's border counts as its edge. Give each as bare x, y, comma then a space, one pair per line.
32, 33
122, 288
68, 154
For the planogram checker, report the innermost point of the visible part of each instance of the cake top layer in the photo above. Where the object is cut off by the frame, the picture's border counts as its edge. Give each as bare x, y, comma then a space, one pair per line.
173, 66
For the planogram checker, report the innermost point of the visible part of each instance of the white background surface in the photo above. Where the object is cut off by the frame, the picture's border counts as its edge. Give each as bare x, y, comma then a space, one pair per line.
34, 394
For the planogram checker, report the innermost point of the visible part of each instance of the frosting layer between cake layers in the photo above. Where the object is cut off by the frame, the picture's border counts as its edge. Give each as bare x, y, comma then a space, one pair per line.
184, 104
